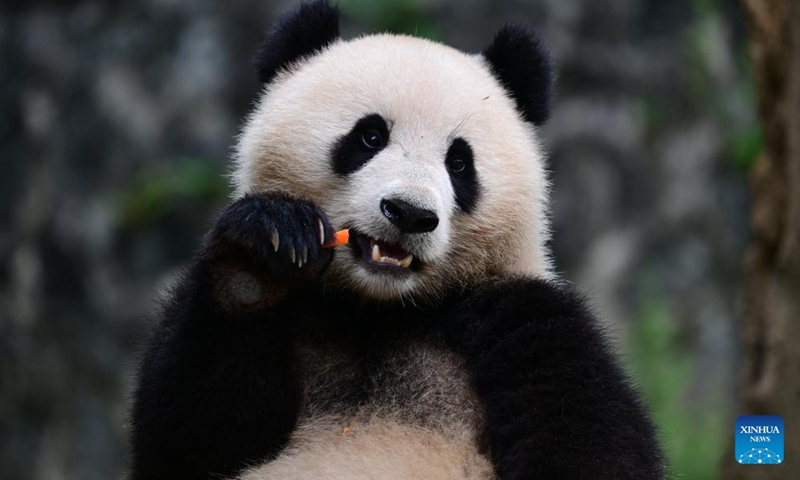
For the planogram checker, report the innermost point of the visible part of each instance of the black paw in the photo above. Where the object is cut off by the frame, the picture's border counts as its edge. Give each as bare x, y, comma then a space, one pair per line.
281, 234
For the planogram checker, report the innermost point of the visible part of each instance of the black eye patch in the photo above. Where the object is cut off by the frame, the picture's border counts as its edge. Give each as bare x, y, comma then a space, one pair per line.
461, 167
369, 136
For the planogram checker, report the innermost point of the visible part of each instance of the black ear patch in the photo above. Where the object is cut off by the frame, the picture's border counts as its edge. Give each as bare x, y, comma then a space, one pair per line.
520, 61
299, 33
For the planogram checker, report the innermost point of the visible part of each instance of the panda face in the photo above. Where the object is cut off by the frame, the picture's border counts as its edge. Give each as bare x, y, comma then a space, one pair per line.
414, 146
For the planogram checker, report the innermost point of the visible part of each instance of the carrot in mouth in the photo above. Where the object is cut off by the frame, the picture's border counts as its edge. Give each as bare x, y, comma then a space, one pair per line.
339, 238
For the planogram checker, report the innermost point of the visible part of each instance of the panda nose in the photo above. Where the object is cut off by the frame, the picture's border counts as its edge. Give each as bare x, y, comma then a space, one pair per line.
408, 218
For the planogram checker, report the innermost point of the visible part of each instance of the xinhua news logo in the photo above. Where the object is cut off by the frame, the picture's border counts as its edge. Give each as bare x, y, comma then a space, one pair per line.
759, 440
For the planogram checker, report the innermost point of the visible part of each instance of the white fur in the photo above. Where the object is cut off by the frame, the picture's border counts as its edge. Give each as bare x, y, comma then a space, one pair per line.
429, 94
373, 450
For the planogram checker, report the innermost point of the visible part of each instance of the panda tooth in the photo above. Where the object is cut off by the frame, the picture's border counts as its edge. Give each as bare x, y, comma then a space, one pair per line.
292, 255
376, 253
321, 232
406, 262
276, 241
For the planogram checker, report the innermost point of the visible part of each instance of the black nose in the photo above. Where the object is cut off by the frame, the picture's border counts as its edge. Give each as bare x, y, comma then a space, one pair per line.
408, 218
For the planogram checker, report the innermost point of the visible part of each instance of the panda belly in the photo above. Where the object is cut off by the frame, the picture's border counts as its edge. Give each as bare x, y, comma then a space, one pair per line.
407, 413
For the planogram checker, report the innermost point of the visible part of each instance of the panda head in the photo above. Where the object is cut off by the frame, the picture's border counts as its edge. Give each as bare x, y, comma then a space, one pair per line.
428, 154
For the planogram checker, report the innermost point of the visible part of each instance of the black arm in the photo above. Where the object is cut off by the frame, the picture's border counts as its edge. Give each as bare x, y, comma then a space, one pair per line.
215, 389
557, 403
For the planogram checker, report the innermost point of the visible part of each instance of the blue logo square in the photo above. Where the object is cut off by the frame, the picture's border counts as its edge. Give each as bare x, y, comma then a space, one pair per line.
759, 440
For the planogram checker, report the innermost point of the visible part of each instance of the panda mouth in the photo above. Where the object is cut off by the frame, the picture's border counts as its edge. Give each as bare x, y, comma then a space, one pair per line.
381, 254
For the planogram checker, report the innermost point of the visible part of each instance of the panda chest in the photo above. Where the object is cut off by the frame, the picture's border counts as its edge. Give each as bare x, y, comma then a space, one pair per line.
419, 382
401, 412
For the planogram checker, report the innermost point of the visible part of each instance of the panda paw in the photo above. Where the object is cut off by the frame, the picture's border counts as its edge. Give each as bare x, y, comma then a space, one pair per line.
280, 234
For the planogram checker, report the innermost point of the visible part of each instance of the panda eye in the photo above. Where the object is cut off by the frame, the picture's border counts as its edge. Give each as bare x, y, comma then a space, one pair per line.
460, 163
372, 139
365, 139
456, 164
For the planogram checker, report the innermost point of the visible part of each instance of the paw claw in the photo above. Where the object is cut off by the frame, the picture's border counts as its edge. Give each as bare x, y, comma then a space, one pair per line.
321, 231
276, 240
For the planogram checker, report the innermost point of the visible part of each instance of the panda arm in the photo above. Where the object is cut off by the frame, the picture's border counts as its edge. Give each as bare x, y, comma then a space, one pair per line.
215, 389
557, 402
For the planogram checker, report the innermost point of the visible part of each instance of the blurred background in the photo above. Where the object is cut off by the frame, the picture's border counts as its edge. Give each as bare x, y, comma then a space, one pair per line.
117, 123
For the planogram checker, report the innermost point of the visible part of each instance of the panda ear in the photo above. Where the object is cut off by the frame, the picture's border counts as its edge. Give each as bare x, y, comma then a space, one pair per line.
298, 34
519, 60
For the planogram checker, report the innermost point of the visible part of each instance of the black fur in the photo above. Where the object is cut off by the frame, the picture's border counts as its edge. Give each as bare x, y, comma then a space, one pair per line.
298, 34
350, 153
520, 61
557, 403
465, 182
247, 226
218, 389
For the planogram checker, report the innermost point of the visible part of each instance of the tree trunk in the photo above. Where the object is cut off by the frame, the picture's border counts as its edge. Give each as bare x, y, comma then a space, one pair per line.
771, 371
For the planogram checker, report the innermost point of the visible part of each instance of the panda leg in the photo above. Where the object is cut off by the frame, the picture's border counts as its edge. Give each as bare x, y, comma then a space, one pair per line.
557, 403
215, 388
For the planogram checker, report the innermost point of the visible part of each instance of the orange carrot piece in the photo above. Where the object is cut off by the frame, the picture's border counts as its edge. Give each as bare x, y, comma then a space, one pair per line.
339, 238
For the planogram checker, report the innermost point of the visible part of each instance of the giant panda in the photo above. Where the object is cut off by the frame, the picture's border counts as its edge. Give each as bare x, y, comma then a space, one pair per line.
437, 343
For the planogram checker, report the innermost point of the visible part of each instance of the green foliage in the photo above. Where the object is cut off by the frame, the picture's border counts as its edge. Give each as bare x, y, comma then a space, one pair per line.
650, 113
707, 7
691, 430
701, 39
411, 17
725, 100
158, 191
745, 143
746, 147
